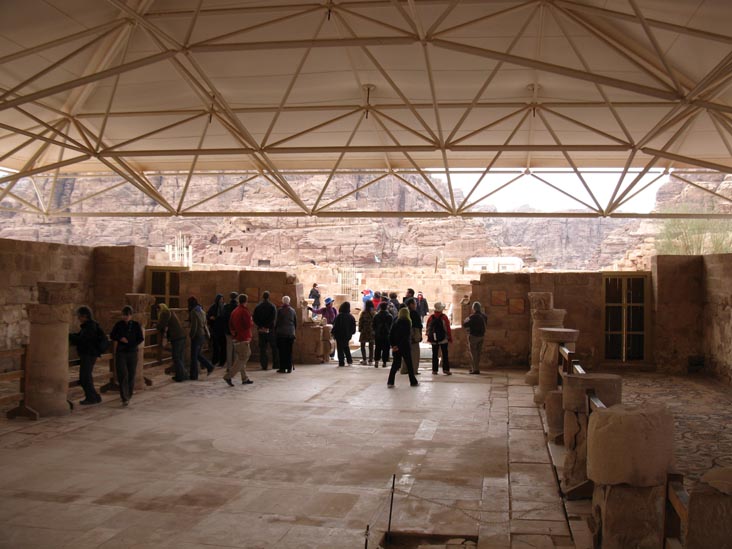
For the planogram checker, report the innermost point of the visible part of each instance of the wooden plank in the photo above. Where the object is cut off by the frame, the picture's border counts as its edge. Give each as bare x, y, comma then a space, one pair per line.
11, 376
679, 498
11, 353
7, 399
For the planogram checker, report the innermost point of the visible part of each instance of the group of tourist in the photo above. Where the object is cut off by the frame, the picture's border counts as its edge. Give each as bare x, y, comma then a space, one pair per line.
385, 325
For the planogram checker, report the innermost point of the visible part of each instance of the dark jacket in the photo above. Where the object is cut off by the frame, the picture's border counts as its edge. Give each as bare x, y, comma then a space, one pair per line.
86, 338
401, 333
315, 296
381, 325
228, 309
265, 315
132, 331
286, 322
423, 307
344, 325
476, 324
168, 322
215, 316
198, 328
416, 319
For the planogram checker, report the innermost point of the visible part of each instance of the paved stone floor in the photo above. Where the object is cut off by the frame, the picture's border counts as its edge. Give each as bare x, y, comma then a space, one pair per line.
702, 409
301, 460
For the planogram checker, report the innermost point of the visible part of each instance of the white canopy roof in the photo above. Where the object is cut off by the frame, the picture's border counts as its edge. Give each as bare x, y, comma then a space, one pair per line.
130, 87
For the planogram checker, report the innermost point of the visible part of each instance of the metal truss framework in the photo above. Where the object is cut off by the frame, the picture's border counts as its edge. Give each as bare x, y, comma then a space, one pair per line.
50, 128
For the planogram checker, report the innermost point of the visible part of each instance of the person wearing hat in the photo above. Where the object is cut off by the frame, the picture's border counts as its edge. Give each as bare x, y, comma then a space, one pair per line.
367, 295
400, 340
329, 312
439, 336
199, 335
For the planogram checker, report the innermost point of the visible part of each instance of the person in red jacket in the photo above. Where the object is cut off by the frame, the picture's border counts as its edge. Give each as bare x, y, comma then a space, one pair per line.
240, 326
439, 335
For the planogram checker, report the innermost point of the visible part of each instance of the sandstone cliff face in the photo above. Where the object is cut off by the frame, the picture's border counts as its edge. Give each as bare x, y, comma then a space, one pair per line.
543, 244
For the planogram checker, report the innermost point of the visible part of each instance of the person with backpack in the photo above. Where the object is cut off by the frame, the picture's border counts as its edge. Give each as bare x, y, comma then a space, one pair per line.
401, 344
169, 326
366, 332
344, 326
476, 325
381, 325
91, 343
439, 336
127, 334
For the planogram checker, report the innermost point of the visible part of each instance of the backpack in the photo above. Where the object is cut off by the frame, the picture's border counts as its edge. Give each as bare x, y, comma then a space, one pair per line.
436, 331
101, 341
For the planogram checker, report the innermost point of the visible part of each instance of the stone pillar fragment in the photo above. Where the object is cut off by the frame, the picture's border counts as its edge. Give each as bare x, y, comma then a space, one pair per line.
608, 387
629, 454
141, 305
551, 338
710, 509
554, 415
47, 374
543, 315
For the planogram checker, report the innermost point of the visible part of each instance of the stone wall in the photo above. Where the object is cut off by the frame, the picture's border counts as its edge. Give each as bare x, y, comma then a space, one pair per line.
118, 270
717, 315
581, 295
22, 266
508, 337
678, 290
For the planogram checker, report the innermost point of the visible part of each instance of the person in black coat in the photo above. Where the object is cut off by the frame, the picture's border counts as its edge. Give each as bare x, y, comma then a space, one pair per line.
87, 347
401, 344
265, 316
127, 333
381, 326
344, 326
217, 326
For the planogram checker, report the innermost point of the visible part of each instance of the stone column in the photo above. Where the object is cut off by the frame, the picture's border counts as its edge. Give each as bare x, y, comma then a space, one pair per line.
47, 374
551, 338
141, 304
543, 315
576, 413
629, 454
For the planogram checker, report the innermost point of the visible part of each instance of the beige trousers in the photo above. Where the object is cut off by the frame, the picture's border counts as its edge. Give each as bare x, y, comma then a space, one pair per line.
476, 346
242, 352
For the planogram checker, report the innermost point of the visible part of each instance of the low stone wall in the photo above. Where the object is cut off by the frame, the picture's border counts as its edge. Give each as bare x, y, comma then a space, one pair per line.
717, 315
22, 266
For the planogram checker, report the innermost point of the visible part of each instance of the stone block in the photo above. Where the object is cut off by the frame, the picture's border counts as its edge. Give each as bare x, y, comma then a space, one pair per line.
628, 516
554, 414
630, 445
608, 387
710, 511
574, 471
